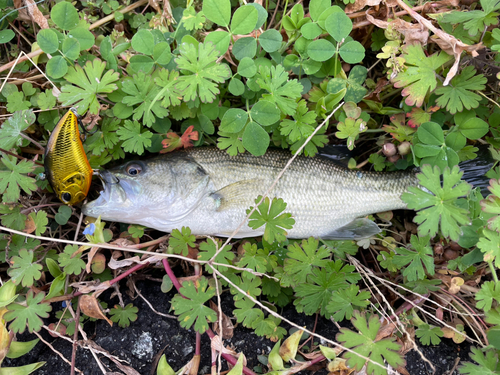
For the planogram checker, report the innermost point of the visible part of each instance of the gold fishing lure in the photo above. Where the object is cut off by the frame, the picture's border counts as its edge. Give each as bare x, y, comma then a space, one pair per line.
66, 165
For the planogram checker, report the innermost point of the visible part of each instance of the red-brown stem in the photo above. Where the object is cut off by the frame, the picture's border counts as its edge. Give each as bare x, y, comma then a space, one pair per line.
209, 332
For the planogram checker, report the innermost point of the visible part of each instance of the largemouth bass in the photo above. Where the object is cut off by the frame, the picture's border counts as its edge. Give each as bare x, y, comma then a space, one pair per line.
209, 191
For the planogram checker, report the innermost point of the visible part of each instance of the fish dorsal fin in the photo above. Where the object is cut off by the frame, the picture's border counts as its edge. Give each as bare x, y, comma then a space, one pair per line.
356, 229
237, 194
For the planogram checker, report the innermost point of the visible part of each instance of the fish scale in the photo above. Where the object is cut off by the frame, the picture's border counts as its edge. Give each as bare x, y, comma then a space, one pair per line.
209, 191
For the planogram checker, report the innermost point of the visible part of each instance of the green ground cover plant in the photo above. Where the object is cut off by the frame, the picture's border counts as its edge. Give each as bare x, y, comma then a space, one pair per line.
420, 90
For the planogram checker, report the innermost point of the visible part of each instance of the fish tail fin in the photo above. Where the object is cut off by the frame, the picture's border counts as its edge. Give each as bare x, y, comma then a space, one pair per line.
475, 169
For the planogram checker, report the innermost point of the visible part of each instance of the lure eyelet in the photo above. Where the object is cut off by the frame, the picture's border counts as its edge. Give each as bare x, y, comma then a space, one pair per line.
66, 197
133, 170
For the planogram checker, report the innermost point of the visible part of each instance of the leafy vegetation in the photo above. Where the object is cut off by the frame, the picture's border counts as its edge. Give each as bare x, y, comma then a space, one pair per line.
244, 78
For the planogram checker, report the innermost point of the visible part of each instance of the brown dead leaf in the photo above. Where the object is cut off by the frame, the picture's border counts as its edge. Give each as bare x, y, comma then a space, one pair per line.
407, 341
86, 287
91, 254
386, 330
36, 15
455, 285
402, 370
117, 361
90, 120
360, 4
447, 42
338, 366
115, 264
90, 307
29, 225
156, 5
413, 33
227, 324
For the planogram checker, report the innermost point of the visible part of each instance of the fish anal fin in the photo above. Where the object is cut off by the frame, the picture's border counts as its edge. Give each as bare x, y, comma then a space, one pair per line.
356, 229
236, 194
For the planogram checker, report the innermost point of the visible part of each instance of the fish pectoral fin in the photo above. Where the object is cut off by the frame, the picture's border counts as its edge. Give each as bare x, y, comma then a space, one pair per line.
356, 229
236, 194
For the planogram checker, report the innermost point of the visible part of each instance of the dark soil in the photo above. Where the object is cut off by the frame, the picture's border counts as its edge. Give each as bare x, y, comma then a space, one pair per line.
151, 334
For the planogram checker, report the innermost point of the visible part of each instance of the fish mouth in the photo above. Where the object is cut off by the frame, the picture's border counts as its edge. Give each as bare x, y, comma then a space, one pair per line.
102, 205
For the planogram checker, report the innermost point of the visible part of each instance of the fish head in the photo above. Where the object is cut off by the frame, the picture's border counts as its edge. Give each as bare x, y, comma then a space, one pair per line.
130, 192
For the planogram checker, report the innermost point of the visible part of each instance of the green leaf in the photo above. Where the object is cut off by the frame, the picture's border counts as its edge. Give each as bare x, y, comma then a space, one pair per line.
311, 30
192, 310
70, 260
234, 120
71, 48
302, 127
491, 205
47, 40
490, 246
270, 40
302, 261
316, 7
143, 41
12, 217
90, 82
231, 142
6, 36
343, 301
420, 75
16, 102
162, 53
320, 50
245, 47
338, 25
220, 39
281, 91
135, 138
255, 139
192, 20
180, 240
475, 21
246, 314
271, 215
429, 334
363, 343
437, 205
487, 364
315, 294
244, 20
217, 11
474, 128
490, 291
416, 260
253, 258
352, 52
65, 15
205, 72
208, 250
10, 132
28, 315
143, 91
46, 100
459, 93
124, 315
265, 113
14, 176
236, 87
40, 220
247, 67
350, 129
23, 270
85, 38
57, 67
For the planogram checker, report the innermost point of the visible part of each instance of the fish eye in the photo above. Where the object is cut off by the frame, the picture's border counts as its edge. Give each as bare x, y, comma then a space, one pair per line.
66, 197
133, 170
